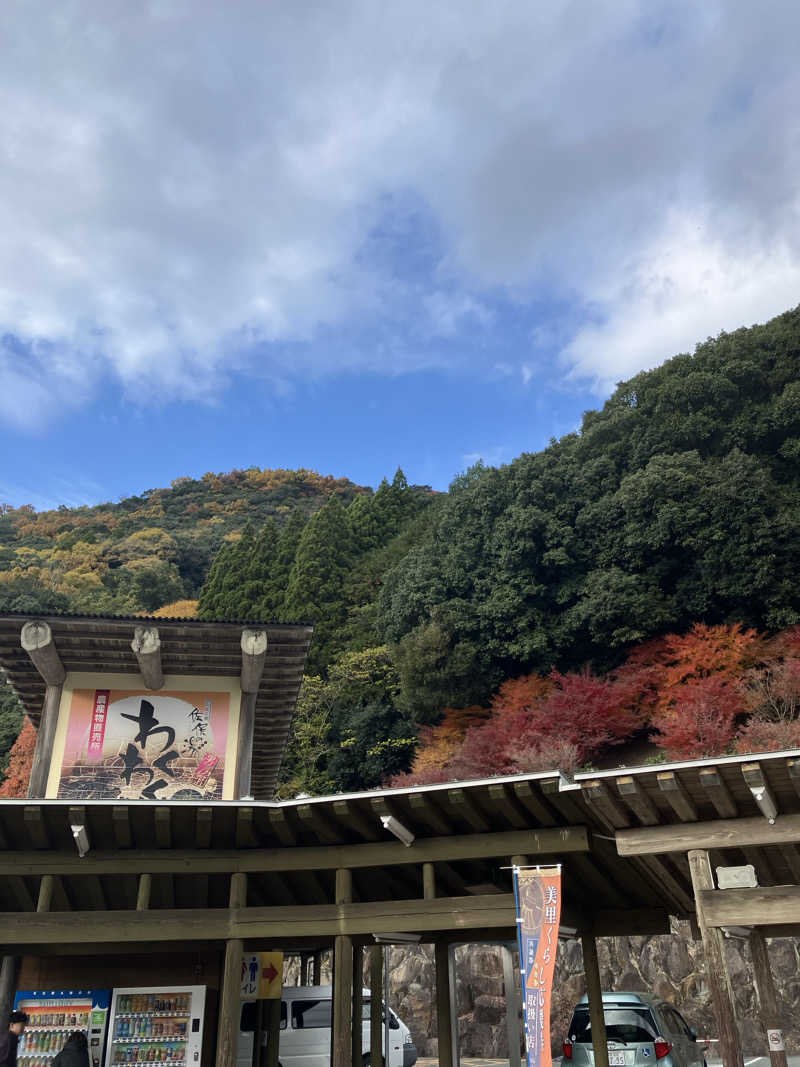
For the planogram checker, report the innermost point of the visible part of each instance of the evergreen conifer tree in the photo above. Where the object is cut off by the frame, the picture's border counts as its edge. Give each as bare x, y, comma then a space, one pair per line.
366, 528
314, 591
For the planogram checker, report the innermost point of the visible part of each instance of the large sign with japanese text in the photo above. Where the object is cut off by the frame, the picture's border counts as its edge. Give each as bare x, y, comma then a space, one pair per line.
538, 897
119, 742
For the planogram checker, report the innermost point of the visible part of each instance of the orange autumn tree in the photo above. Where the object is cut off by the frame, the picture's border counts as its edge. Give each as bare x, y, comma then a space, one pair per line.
439, 745
20, 762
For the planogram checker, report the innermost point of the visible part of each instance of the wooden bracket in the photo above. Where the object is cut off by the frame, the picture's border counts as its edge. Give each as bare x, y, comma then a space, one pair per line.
146, 646
254, 652
37, 640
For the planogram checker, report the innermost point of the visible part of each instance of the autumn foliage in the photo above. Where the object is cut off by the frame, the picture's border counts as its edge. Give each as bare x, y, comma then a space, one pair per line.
712, 690
20, 762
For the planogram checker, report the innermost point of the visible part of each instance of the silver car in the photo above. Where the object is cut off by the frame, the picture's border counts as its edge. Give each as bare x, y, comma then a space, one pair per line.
641, 1031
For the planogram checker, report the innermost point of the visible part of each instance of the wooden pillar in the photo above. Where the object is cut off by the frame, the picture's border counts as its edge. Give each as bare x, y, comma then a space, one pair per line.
716, 966
8, 984
317, 969
45, 899
230, 1008
343, 980
258, 1034
594, 990
273, 1027
37, 784
144, 891
444, 1004
358, 1003
428, 881
512, 1006
376, 1002
767, 1001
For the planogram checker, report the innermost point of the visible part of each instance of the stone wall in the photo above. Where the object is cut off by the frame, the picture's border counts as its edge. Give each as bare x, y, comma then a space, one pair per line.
669, 966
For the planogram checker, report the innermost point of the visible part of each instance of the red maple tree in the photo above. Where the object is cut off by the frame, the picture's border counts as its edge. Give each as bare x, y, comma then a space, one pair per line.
20, 762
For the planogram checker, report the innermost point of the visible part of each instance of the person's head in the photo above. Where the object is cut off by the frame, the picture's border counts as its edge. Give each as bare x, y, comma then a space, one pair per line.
17, 1022
78, 1039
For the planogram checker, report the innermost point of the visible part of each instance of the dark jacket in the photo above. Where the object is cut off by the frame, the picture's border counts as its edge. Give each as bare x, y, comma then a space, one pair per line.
72, 1055
8, 1049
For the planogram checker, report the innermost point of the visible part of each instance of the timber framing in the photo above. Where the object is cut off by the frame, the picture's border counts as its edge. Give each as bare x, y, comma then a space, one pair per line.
38, 652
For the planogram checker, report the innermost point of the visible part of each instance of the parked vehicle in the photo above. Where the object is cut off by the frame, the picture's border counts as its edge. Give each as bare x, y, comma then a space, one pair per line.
306, 1019
640, 1030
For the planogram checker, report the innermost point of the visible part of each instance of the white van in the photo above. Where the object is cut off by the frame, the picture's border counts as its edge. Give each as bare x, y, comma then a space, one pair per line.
306, 1013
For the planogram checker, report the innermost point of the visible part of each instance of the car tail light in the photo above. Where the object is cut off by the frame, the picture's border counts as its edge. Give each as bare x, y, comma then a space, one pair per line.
662, 1048
567, 1047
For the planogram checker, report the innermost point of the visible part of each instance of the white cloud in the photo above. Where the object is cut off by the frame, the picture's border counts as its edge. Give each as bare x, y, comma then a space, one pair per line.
183, 184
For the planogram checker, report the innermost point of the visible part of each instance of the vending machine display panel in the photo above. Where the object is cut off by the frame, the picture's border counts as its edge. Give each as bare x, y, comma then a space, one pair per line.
53, 1014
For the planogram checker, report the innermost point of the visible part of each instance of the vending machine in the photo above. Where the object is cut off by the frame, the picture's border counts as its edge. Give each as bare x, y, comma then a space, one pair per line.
53, 1014
161, 1024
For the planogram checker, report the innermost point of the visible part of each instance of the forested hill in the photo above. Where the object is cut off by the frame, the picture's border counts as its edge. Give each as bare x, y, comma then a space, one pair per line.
149, 550
676, 504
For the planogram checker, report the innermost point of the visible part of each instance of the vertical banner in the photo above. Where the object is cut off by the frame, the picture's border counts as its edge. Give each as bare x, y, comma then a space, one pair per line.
537, 892
94, 747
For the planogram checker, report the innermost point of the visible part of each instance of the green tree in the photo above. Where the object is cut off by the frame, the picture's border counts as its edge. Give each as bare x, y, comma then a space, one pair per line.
314, 590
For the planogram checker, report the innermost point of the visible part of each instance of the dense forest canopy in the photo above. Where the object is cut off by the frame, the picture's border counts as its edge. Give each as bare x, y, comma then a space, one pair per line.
675, 506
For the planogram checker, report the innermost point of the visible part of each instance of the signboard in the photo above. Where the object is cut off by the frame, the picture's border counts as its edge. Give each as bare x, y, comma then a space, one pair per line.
130, 744
262, 975
537, 892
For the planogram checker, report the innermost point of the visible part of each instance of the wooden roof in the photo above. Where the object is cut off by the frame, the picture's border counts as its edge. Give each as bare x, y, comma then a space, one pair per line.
102, 644
621, 837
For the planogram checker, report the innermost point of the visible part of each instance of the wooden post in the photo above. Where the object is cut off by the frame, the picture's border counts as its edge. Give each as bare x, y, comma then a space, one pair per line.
512, 1006
428, 881
444, 1000
767, 1001
375, 1003
316, 976
358, 1003
37, 785
143, 894
273, 1014
45, 899
343, 980
716, 966
258, 1034
594, 990
230, 1008
8, 983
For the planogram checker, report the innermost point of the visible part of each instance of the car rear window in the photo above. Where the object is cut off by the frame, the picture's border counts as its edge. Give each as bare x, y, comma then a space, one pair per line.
633, 1025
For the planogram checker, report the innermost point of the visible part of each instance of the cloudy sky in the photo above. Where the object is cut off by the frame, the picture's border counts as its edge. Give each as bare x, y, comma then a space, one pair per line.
349, 235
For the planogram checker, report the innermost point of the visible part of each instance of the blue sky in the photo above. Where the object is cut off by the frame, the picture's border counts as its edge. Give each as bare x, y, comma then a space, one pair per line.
349, 236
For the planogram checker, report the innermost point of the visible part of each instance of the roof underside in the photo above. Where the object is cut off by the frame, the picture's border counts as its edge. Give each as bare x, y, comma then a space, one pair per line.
188, 647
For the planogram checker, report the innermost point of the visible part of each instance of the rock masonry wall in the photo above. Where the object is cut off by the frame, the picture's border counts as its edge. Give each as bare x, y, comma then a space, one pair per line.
671, 966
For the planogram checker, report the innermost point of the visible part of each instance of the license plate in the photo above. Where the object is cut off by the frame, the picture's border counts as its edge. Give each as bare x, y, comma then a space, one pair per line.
616, 1059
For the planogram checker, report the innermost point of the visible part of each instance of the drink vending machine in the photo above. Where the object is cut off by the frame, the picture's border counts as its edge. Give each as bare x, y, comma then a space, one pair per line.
53, 1014
160, 1024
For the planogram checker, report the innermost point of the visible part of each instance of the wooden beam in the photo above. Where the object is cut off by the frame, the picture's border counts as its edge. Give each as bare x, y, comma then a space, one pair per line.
219, 924
45, 899
528, 796
254, 653
716, 965
40, 769
570, 839
246, 835
722, 833
425, 813
146, 646
760, 788
598, 794
793, 770
121, 826
347, 813
637, 800
679, 800
35, 827
504, 801
764, 906
718, 793
767, 1001
464, 806
144, 891
36, 639
281, 827
313, 819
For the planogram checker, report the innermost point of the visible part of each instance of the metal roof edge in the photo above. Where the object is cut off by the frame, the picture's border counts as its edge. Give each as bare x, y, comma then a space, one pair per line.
682, 765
